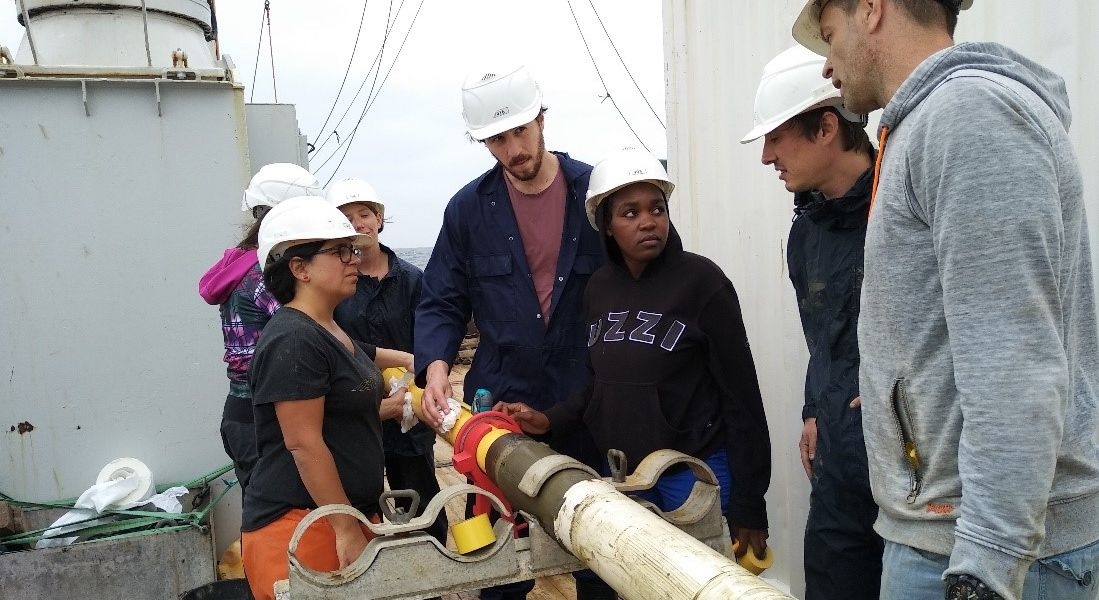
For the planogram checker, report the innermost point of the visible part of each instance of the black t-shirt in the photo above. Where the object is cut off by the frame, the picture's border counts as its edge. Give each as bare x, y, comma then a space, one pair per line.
297, 359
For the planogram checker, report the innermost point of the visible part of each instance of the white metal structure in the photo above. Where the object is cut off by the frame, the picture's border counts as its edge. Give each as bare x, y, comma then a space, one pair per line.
119, 190
733, 210
122, 183
115, 33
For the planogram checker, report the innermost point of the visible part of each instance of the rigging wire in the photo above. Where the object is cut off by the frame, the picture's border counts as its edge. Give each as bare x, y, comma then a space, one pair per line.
259, 46
371, 100
350, 60
271, 47
375, 68
374, 88
623, 61
390, 21
264, 21
604, 83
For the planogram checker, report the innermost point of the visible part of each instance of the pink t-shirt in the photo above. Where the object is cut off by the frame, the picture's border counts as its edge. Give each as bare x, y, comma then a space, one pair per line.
541, 218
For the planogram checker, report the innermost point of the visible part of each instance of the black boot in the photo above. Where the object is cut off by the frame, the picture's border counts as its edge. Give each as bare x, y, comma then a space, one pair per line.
594, 589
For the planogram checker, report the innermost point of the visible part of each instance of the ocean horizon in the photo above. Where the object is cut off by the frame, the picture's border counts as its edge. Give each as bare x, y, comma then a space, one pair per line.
416, 256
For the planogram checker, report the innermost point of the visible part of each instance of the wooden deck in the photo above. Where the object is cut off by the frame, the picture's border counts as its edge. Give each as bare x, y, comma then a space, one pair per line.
559, 587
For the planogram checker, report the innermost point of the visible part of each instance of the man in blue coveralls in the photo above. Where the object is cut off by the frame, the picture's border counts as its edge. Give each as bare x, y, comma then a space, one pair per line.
515, 252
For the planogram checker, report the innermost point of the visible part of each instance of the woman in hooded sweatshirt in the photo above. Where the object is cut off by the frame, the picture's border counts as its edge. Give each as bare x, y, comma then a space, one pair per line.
669, 357
316, 394
236, 284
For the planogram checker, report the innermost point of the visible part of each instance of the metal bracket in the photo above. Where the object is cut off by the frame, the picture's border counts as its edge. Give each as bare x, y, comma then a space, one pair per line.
402, 567
180, 74
159, 105
404, 557
436, 507
542, 469
84, 97
403, 562
700, 514
655, 464
397, 514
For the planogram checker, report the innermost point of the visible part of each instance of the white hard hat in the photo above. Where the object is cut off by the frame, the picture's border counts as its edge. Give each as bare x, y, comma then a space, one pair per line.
494, 102
276, 182
300, 220
628, 165
354, 189
792, 84
806, 28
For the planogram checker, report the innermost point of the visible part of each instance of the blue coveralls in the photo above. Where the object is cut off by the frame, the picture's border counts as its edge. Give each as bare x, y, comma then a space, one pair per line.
479, 268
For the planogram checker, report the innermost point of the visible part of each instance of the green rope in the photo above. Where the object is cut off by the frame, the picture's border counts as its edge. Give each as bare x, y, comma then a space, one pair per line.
128, 523
199, 482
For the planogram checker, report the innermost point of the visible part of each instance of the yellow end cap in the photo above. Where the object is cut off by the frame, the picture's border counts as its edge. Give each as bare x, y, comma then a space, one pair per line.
753, 564
472, 534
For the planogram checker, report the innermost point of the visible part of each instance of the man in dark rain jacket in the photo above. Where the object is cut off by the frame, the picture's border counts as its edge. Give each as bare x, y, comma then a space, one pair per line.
515, 252
824, 156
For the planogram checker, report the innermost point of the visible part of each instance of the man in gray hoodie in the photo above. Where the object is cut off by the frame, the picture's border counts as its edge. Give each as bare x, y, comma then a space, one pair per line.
979, 374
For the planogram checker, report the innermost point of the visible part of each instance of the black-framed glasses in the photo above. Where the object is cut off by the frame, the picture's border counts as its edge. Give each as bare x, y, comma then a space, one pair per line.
346, 252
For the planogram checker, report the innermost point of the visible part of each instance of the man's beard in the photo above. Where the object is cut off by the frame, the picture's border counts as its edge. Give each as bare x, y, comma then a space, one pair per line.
531, 172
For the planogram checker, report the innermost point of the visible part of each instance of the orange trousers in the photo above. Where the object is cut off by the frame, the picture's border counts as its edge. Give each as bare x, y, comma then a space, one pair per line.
264, 551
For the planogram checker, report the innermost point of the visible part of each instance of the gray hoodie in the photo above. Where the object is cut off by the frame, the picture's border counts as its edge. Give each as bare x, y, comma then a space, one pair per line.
978, 328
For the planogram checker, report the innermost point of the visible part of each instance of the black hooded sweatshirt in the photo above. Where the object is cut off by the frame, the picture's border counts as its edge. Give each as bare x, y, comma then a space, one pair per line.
671, 368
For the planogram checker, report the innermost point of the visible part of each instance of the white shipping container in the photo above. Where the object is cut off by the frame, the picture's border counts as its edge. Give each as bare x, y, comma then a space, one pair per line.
731, 208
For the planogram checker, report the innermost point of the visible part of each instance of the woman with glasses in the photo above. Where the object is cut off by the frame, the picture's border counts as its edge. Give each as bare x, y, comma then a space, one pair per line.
235, 284
316, 394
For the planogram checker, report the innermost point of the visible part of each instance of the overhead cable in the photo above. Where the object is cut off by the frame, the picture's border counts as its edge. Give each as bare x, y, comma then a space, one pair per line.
372, 99
350, 60
271, 48
264, 21
259, 46
390, 21
608, 95
621, 60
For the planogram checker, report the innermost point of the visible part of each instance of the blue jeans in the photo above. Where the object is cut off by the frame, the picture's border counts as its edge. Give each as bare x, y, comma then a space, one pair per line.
671, 491
912, 574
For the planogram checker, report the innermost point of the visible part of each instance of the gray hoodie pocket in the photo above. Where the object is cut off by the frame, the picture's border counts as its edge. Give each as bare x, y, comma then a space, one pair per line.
902, 418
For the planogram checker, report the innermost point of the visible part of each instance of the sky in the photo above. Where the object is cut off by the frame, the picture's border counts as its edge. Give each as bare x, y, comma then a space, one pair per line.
411, 144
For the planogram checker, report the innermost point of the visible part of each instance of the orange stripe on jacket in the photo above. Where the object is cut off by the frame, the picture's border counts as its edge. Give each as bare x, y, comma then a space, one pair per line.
877, 166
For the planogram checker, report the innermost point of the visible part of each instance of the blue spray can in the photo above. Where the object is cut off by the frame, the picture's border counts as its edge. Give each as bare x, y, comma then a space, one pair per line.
482, 401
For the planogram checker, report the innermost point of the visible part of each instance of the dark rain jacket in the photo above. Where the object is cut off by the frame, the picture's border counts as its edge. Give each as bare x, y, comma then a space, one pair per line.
825, 257
843, 554
478, 268
381, 313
